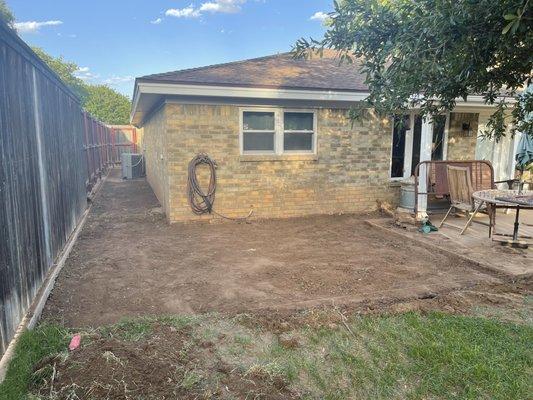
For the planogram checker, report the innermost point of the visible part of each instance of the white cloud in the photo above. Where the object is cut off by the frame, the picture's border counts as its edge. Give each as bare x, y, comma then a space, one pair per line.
319, 16
157, 21
223, 6
85, 74
187, 12
34, 26
115, 80
213, 6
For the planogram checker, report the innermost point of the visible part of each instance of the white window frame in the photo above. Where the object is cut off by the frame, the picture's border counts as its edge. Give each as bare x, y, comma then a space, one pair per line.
408, 149
279, 131
313, 132
242, 131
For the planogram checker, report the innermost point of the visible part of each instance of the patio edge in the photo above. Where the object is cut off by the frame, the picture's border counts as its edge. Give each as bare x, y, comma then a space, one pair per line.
480, 266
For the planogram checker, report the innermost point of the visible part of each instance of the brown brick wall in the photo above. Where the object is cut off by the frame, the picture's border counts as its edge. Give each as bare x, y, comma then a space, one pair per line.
461, 144
350, 172
154, 146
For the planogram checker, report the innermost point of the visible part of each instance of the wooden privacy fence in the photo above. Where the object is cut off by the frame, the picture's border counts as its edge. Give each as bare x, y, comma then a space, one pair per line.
51, 152
98, 146
125, 139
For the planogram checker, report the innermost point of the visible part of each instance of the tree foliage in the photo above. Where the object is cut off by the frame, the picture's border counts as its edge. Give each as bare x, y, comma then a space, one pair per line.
428, 53
103, 102
66, 71
107, 105
5, 13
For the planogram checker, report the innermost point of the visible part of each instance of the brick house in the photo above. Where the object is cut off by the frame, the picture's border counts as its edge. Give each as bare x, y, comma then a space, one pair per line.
278, 130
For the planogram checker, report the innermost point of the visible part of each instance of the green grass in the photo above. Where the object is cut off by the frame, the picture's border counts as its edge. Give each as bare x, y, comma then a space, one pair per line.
190, 379
32, 346
135, 329
406, 356
414, 357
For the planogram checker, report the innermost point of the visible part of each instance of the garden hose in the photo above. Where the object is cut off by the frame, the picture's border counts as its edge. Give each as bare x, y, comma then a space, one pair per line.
202, 202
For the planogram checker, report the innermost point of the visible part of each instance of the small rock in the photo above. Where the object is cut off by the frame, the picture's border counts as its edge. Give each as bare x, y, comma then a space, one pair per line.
284, 326
288, 342
333, 326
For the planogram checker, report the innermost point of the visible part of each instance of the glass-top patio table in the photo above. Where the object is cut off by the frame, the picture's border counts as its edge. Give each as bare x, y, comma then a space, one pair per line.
496, 198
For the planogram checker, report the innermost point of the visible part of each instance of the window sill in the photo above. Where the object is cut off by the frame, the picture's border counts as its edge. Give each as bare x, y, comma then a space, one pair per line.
395, 183
274, 157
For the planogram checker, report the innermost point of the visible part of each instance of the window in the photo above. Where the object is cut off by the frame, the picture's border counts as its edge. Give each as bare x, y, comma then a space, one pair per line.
298, 131
439, 133
278, 131
417, 137
258, 131
406, 143
398, 145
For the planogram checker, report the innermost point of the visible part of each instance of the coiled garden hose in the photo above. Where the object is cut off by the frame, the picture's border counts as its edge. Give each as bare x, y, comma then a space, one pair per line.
202, 202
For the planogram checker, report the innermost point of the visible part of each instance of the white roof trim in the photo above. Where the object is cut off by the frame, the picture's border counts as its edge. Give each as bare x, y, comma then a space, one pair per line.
243, 92
269, 93
250, 92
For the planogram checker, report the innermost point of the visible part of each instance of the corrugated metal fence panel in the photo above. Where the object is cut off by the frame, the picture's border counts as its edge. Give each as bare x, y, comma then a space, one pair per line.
44, 171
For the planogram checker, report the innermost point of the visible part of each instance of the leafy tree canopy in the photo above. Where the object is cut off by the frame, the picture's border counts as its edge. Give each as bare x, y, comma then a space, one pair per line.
428, 53
5, 13
101, 101
66, 71
108, 105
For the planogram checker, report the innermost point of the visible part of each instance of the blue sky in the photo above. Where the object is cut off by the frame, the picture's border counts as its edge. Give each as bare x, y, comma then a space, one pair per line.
114, 41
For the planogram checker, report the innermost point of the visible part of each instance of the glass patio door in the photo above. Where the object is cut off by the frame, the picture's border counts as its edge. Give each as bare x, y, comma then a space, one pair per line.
406, 140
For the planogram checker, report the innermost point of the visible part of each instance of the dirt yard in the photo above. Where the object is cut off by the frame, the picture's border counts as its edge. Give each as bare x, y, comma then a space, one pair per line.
129, 262
307, 308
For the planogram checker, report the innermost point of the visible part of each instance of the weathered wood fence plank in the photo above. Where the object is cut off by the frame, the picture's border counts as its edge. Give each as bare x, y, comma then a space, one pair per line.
51, 153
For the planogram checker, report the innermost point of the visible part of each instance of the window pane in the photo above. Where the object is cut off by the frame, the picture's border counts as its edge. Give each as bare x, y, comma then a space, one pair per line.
258, 121
439, 125
417, 137
401, 124
298, 141
258, 141
298, 121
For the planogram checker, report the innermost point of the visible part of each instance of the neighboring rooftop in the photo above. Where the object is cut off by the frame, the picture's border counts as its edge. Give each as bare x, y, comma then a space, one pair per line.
276, 71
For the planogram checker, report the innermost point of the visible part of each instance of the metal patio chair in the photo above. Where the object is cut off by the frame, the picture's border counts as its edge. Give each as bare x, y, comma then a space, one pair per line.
461, 190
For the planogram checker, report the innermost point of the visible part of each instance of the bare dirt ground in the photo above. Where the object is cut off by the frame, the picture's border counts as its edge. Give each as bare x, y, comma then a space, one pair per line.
129, 262
283, 355
168, 363
279, 290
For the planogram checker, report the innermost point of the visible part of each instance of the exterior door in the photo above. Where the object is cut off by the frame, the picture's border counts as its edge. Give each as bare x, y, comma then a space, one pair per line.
406, 142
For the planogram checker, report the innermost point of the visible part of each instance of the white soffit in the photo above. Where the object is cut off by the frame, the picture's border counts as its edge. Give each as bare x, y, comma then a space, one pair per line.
153, 91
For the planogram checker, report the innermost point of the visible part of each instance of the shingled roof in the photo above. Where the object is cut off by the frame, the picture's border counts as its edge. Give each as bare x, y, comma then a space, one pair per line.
276, 71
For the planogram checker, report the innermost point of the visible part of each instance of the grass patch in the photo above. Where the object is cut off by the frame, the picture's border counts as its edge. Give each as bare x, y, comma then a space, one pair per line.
190, 380
129, 329
406, 356
32, 346
418, 357
135, 329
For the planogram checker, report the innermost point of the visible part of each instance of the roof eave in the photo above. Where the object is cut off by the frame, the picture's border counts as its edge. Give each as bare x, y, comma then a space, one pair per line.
243, 92
151, 87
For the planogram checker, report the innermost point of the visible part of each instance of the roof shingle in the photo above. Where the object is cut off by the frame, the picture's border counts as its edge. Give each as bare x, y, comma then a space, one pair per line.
276, 71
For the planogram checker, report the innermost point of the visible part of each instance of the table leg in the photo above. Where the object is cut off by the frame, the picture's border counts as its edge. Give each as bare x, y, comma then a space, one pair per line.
493, 206
516, 224
490, 211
